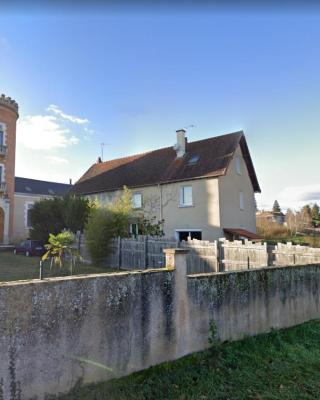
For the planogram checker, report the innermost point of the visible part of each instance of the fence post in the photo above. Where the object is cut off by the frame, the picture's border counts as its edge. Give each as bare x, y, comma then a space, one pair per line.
176, 260
248, 262
146, 252
119, 252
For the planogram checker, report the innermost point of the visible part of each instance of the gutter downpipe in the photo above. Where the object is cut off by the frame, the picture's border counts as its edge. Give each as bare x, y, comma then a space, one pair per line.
160, 189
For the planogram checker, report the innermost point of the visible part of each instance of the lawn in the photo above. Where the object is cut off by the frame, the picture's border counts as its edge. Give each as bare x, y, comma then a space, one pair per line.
19, 267
281, 365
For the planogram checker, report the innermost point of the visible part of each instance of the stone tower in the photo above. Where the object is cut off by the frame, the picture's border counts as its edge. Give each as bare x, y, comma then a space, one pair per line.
8, 120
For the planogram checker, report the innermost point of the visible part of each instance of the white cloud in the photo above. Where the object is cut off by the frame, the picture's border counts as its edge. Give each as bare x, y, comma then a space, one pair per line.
43, 132
297, 196
57, 160
72, 118
293, 197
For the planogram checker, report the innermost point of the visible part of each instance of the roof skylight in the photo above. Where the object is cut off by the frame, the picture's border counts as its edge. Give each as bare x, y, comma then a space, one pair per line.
193, 159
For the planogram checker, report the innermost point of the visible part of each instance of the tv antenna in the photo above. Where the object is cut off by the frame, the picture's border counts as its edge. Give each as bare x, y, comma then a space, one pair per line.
189, 126
102, 147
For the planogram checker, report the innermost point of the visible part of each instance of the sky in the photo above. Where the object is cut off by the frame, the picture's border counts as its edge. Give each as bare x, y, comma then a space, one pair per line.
130, 78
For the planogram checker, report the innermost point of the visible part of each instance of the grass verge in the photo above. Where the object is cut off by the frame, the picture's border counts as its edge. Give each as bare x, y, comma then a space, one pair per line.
280, 365
19, 267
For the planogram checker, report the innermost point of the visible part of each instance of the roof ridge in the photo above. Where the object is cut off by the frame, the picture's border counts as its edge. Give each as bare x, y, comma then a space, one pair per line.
40, 180
169, 147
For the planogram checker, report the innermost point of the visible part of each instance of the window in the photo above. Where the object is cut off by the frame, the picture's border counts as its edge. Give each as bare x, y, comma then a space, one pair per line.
28, 207
185, 234
186, 196
137, 200
241, 199
1, 136
134, 230
193, 160
1, 173
238, 165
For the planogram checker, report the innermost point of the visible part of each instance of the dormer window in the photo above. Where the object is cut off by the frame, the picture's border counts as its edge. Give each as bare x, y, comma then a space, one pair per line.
50, 191
193, 160
28, 189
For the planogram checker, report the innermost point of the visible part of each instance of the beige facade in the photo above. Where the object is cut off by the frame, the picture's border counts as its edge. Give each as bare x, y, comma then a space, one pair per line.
235, 182
215, 203
22, 203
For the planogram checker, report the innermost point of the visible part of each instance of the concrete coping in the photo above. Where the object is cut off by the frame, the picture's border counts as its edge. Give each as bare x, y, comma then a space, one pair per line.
176, 251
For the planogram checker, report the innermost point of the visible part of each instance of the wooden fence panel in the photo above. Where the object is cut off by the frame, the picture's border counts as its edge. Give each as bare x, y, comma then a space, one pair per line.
204, 256
237, 255
155, 255
289, 254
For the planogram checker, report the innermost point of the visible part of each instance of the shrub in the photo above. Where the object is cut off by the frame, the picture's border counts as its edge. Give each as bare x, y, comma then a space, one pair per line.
53, 215
98, 234
60, 247
46, 217
105, 223
151, 227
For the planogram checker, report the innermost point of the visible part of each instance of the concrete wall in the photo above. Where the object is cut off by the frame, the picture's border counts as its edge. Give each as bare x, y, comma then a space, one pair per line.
230, 186
96, 327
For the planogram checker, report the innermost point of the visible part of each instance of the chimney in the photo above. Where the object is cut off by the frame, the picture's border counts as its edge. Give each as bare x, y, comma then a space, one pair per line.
180, 146
99, 161
70, 181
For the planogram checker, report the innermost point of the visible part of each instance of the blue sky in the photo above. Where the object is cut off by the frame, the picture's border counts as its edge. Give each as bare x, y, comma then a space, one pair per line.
131, 79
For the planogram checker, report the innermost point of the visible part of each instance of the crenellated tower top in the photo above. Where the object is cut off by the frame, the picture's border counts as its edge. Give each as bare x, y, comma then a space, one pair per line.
9, 103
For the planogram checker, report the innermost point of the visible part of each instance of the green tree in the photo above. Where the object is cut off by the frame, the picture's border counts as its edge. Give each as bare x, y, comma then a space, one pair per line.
75, 212
53, 215
315, 214
46, 217
105, 223
276, 207
150, 227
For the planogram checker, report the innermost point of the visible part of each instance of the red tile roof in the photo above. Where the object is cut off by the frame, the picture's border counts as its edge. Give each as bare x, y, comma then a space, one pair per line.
243, 233
162, 166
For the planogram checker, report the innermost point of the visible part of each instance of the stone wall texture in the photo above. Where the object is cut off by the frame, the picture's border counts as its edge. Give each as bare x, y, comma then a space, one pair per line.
57, 331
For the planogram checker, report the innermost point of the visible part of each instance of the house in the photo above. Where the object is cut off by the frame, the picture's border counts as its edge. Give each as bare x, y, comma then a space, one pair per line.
202, 189
271, 216
27, 192
17, 194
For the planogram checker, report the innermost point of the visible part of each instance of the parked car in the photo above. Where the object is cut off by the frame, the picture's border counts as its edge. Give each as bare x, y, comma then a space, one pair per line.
30, 248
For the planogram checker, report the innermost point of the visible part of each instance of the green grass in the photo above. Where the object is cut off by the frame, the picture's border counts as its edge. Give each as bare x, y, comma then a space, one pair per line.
281, 365
19, 267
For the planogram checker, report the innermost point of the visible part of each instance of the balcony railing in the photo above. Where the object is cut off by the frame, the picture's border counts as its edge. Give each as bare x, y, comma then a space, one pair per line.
3, 150
3, 187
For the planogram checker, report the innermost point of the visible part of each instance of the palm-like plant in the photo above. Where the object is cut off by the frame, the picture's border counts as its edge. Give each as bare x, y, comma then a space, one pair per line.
60, 247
